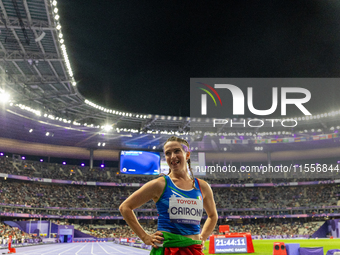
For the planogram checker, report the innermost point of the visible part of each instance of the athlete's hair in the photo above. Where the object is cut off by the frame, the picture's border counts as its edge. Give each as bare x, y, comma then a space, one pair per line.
186, 148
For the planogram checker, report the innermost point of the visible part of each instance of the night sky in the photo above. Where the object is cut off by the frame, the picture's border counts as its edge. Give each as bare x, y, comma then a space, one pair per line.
138, 56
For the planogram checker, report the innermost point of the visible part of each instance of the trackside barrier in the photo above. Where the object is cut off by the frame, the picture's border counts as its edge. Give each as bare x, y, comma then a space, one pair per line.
132, 243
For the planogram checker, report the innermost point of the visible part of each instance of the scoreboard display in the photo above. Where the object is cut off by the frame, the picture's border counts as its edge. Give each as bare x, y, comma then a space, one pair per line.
231, 245
139, 162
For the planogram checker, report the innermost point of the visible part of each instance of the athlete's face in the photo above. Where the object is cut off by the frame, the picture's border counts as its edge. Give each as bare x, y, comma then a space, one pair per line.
175, 156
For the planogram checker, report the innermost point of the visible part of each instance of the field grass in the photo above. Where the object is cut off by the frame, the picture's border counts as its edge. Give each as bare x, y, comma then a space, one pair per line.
265, 247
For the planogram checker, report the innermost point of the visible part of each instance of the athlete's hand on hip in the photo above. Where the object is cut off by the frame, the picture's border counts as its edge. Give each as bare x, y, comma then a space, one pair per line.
203, 241
156, 239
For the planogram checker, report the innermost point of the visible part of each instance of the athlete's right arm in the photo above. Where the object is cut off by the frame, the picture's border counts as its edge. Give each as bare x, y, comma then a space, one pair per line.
151, 190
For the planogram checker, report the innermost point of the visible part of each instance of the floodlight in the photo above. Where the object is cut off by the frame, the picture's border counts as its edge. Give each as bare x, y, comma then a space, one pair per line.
107, 127
4, 96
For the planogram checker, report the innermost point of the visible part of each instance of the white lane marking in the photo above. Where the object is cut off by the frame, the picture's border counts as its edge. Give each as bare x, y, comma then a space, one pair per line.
92, 250
50, 250
130, 249
103, 248
81, 249
116, 249
68, 249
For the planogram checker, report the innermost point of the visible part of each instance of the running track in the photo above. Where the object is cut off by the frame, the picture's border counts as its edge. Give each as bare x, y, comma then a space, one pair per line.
79, 249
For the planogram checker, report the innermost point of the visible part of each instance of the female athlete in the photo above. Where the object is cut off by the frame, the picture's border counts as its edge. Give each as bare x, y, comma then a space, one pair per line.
180, 199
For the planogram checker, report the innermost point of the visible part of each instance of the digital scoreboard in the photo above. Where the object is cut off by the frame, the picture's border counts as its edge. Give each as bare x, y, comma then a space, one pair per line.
139, 162
231, 245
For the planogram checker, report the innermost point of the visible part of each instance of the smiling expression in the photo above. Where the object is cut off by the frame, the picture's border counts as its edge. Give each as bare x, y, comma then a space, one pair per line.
175, 156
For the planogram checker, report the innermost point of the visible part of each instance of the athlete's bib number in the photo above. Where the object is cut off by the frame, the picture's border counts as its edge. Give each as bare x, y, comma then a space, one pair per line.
185, 210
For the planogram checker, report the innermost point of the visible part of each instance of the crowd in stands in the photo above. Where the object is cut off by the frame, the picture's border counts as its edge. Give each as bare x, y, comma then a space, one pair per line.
36, 169
282, 228
263, 229
38, 198
18, 236
278, 228
51, 199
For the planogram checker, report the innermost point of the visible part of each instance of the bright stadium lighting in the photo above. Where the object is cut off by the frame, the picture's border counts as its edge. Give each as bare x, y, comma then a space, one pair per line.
54, 2
82, 164
99, 144
31, 130
102, 165
107, 127
58, 27
47, 133
104, 144
64, 163
4, 96
41, 160
57, 17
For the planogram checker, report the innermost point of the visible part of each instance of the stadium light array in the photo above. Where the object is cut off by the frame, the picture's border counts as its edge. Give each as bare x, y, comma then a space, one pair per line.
107, 127
61, 41
4, 96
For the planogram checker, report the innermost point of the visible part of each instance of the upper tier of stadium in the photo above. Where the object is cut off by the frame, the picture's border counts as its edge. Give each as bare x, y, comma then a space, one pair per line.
44, 102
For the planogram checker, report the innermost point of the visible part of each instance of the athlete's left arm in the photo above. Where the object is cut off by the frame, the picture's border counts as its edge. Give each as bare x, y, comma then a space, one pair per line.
210, 208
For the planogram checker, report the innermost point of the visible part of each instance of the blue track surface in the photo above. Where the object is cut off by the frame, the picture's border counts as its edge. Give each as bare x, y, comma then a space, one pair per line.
79, 249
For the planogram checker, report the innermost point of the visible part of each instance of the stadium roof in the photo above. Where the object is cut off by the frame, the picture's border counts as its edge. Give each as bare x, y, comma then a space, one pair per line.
36, 72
